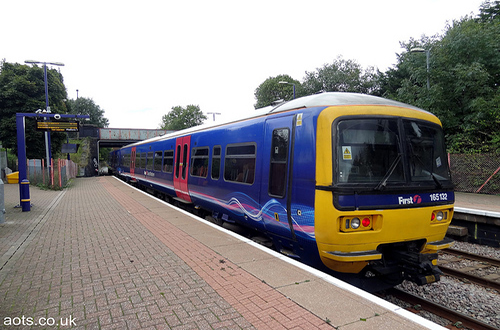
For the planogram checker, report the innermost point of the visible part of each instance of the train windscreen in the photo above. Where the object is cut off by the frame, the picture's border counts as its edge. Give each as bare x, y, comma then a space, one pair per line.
389, 151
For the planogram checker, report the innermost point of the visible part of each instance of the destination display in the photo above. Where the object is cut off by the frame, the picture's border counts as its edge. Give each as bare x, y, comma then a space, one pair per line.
58, 126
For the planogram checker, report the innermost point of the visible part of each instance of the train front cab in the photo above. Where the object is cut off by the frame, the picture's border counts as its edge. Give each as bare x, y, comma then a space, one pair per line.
384, 197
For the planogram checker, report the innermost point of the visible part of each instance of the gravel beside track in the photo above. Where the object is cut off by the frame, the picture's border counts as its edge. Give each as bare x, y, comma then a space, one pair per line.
464, 297
482, 250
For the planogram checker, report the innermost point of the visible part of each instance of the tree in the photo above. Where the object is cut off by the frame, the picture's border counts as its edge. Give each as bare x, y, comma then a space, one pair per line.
86, 106
180, 118
464, 74
22, 90
341, 76
271, 90
489, 11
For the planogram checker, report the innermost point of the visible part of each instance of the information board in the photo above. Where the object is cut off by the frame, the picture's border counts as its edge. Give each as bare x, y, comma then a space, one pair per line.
58, 126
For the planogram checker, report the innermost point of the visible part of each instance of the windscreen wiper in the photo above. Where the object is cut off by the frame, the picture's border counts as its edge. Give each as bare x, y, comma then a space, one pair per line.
438, 183
387, 175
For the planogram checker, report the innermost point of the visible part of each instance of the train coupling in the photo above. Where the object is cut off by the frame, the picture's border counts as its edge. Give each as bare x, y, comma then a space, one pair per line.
419, 268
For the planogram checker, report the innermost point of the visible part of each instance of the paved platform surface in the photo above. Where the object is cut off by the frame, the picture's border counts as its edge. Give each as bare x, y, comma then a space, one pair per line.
102, 255
482, 202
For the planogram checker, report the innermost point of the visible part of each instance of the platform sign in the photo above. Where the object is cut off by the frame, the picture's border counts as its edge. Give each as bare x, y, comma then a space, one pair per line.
58, 126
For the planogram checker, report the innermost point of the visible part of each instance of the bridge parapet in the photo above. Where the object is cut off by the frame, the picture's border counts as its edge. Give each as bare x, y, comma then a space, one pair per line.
130, 134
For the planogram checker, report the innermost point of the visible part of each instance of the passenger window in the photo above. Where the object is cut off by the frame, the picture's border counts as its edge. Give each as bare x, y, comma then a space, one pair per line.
158, 160
199, 162
216, 163
168, 161
126, 160
239, 163
279, 161
149, 160
142, 161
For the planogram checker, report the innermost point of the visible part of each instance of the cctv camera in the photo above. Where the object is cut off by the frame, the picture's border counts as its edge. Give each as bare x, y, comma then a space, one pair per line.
57, 116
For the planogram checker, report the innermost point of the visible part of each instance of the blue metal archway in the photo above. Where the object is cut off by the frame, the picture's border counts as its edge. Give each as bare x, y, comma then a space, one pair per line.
24, 192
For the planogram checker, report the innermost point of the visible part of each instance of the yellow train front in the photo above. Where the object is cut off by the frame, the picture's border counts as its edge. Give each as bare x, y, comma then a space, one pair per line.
384, 196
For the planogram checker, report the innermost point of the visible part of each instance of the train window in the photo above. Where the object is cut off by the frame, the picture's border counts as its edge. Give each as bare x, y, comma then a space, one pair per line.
239, 163
184, 161
279, 161
142, 161
368, 150
149, 160
157, 161
427, 154
199, 162
216, 162
168, 161
126, 160
178, 161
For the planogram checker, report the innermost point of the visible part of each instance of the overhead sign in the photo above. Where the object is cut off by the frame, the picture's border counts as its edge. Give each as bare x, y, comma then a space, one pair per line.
58, 126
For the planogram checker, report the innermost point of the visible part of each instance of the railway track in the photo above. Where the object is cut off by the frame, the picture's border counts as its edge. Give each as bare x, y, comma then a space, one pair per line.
469, 276
478, 264
454, 317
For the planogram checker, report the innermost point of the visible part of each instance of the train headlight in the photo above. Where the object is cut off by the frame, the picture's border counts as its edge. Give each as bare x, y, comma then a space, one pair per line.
439, 216
351, 224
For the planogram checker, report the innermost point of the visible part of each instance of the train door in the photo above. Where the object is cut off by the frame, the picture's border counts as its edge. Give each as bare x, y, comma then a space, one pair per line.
181, 168
276, 180
132, 161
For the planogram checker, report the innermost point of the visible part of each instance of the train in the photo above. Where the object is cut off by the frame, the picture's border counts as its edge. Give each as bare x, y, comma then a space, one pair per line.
355, 185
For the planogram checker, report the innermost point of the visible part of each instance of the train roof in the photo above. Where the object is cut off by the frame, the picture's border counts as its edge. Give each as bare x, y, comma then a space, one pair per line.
316, 100
338, 99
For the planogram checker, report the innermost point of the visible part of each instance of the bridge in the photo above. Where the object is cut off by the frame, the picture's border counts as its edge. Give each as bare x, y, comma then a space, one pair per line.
119, 137
113, 138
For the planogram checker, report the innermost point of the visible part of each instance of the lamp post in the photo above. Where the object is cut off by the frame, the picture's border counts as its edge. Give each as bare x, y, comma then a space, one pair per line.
427, 55
288, 83
48, 152
213, 113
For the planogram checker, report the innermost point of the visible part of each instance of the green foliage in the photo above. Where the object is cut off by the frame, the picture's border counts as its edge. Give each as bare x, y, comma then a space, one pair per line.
271, 91
86, 106
22, 90
464, 71
341, 76
181, 118
489, 11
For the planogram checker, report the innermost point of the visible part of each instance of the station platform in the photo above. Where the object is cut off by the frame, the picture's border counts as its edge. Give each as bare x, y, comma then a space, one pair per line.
480, 204
103, 255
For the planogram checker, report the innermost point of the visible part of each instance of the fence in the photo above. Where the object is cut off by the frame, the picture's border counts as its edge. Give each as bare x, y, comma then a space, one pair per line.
63, 171
479, 173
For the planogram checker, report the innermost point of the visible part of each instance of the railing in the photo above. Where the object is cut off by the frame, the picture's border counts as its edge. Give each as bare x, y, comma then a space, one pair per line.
63, 171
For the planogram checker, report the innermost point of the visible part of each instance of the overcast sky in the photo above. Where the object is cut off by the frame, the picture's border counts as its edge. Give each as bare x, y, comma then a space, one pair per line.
138, 59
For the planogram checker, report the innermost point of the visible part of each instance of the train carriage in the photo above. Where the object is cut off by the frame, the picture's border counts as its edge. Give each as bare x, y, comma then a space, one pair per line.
352, 184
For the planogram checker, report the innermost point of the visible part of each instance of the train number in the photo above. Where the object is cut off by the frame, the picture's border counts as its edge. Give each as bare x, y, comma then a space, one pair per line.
439, 197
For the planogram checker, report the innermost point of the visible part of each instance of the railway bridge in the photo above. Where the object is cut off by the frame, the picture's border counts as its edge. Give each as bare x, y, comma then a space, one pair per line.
112, 138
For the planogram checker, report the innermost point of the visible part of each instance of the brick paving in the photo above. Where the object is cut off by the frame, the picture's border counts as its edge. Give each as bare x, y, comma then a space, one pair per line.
99, 256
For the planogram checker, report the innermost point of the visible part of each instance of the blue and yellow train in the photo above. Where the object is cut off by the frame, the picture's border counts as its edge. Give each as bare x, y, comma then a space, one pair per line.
355, 185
